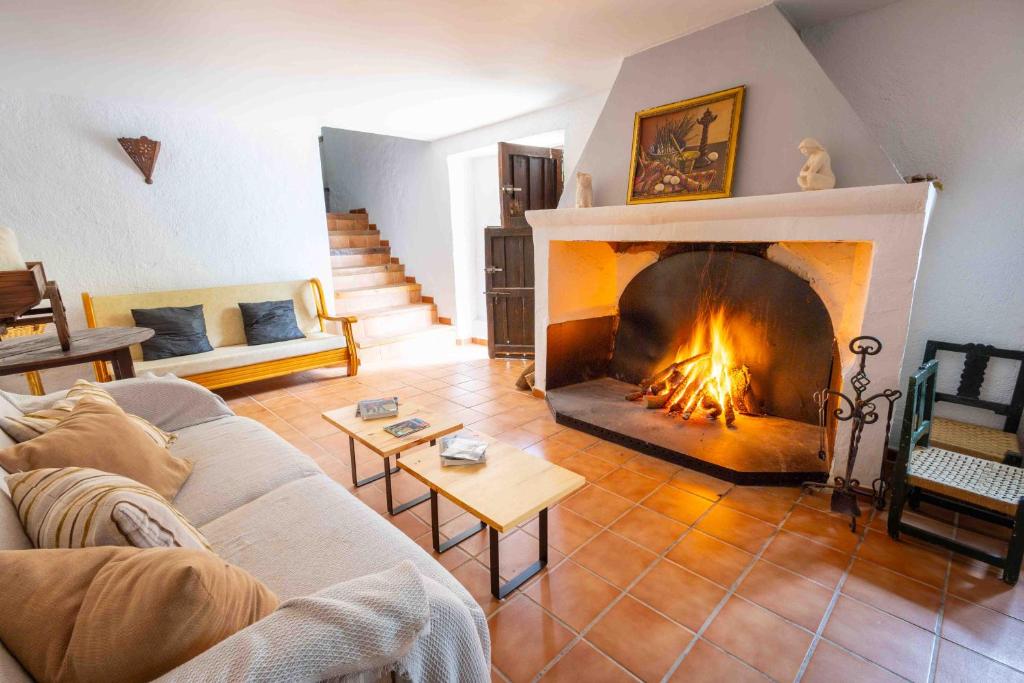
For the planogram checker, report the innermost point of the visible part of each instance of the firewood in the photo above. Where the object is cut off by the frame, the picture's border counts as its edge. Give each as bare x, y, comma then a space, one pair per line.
657, 400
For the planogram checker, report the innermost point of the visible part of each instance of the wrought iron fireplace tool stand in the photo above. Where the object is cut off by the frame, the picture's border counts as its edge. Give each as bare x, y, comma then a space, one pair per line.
861, 411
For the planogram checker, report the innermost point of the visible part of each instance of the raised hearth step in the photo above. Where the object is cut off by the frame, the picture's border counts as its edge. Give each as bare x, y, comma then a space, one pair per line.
760, 450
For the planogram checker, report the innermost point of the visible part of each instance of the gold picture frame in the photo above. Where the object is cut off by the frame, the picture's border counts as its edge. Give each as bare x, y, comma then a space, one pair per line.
686, 150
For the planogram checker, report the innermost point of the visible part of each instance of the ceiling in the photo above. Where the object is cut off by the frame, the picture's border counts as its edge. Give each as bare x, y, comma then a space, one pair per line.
418, 69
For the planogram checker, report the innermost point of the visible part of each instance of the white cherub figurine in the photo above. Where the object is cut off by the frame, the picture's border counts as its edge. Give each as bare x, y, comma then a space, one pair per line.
816, 173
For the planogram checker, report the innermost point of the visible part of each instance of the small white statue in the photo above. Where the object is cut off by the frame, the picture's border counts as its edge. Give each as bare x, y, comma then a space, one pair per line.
584, 191
816, 173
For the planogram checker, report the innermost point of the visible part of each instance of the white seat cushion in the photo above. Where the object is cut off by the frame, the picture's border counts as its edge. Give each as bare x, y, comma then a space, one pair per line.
235, 356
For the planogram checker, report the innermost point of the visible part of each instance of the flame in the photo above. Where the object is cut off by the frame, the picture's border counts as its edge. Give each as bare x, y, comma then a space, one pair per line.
710, 372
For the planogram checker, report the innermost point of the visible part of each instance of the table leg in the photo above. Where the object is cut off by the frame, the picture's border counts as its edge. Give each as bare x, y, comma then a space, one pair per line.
352, 465
124, 368
501, 591
392, 510
435, 529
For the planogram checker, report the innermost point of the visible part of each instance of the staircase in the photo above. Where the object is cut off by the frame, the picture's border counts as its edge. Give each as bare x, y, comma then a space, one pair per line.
394, 316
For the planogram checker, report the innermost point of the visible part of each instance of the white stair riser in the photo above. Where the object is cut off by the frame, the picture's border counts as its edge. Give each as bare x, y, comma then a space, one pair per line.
359, 280
398, 323
350, 260
350, 304
430, 341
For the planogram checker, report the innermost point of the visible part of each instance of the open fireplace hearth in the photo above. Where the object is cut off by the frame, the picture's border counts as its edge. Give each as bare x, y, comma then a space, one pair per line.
713, 362
761, 450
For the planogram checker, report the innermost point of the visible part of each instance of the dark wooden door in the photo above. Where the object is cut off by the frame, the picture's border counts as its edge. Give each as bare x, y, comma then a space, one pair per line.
508, 255
530, 178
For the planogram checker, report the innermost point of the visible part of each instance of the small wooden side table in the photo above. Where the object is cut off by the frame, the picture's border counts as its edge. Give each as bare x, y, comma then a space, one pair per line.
26, 354
509, 488
371, 434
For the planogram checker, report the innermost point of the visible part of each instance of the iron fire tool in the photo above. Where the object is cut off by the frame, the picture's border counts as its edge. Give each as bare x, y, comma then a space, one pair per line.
863, 412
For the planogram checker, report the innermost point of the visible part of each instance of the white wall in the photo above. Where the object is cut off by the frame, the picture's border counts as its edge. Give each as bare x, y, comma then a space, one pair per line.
486, 212
405, 186
788, 98
228, 204
941, 85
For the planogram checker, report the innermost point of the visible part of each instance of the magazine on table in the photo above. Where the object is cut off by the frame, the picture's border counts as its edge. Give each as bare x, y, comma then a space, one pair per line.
460, 449
406, 427
376, 408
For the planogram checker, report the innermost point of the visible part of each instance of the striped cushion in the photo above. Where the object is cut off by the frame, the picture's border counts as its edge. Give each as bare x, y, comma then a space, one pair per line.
78, 507
32, 424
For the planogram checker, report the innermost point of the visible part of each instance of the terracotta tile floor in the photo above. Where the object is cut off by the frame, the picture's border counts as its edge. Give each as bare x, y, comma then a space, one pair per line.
659, 573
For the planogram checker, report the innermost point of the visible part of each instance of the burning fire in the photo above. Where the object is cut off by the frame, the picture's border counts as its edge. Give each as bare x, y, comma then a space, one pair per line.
705, 375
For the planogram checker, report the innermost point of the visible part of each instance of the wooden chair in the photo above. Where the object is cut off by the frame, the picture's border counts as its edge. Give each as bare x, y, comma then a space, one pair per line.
32, 377
966, 484
1000, 445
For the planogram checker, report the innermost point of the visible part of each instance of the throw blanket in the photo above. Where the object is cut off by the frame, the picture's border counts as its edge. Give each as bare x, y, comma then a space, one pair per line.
358, 630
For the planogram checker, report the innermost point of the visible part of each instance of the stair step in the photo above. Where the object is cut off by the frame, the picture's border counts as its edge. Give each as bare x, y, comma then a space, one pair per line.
356, 277
341, 239
368, 299
360, 258
395, 320
348, 221
435, 339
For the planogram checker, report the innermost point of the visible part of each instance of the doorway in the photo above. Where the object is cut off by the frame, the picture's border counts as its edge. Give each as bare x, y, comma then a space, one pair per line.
476, 205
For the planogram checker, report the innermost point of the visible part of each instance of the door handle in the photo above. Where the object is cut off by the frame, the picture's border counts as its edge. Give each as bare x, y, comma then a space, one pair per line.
492, 269
510, 189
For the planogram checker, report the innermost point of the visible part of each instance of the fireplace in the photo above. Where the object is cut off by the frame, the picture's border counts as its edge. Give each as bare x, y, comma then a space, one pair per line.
699, 332
712, 361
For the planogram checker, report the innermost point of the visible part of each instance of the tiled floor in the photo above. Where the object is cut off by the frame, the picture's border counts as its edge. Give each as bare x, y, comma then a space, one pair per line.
661, 573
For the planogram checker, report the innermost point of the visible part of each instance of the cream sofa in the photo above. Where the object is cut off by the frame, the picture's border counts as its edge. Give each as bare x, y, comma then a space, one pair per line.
266, 507
232, 361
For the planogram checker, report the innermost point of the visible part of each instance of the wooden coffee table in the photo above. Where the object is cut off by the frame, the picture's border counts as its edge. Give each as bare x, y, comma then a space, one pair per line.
371, 434
508, 489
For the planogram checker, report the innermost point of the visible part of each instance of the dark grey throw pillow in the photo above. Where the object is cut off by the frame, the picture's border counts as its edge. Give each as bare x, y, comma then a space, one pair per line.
270, 321
180, 331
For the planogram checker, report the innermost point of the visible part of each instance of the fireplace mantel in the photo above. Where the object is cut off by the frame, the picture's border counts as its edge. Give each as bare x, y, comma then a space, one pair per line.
858, 247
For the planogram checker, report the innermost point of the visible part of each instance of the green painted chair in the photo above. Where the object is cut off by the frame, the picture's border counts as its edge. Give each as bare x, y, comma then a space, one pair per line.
969, 485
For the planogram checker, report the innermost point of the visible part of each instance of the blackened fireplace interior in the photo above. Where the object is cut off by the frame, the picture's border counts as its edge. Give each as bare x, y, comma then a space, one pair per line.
778, 328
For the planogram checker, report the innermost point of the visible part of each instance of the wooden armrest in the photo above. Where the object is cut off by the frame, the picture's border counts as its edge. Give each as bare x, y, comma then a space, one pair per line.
351, 319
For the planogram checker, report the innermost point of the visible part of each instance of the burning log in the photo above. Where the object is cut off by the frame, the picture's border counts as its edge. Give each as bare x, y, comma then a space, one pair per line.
687, 386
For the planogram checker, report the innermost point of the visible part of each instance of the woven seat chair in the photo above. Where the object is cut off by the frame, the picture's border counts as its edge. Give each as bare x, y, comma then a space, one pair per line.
1000, 445
966, 484
32, 377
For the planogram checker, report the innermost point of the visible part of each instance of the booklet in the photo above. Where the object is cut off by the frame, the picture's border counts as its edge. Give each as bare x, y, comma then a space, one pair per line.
459, 450
376, 408
406, 427
462, 450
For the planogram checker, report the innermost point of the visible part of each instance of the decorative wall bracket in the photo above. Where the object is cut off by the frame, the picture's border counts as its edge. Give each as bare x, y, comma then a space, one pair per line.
143, 152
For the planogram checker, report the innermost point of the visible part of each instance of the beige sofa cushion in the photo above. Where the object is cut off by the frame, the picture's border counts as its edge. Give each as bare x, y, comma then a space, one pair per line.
220, 308
226, 357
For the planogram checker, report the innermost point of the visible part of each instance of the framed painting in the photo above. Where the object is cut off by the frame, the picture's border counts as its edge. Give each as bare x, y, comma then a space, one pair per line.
686, 150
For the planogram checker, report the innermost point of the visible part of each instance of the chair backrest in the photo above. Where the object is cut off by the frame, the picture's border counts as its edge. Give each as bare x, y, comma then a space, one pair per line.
220, 307
917, 413
968, 392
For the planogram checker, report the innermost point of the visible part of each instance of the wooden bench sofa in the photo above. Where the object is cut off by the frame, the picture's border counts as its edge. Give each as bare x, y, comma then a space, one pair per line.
232, 361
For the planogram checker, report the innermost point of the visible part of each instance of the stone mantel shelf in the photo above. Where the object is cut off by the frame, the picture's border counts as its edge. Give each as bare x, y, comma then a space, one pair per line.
915, 198
858, 247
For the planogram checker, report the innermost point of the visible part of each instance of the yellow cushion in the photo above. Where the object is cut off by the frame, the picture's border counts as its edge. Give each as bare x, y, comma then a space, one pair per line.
78, 507
220, 308
102, 437
121, 614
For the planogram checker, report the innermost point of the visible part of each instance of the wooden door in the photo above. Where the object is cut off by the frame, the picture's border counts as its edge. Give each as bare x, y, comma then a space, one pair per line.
508, 256
530, 178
